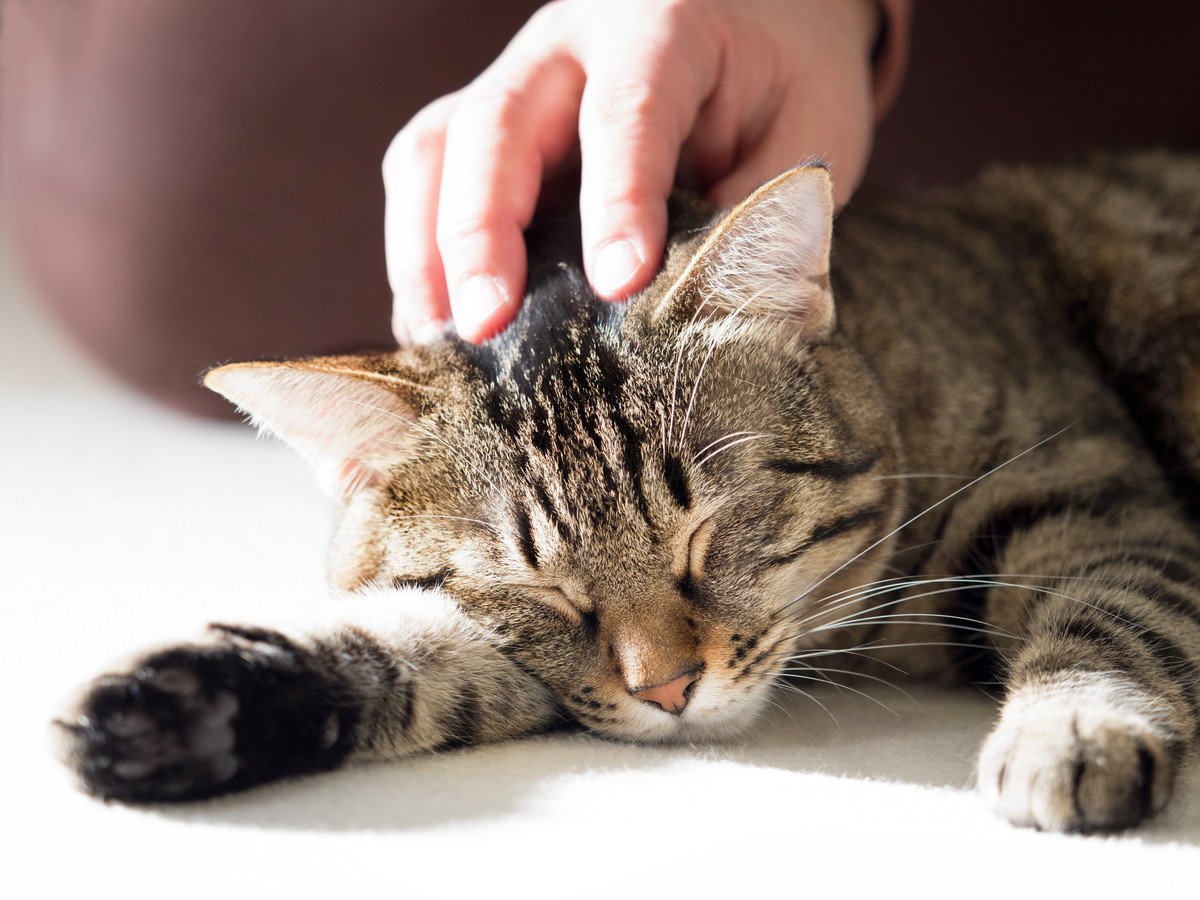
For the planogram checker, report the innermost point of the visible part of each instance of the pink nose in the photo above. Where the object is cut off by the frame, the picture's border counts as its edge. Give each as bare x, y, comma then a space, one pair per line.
671, 696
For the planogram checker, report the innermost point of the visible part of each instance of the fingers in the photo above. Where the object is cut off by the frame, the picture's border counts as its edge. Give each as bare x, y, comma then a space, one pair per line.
463, 178
636, 83
507, 129
635, 114
412, 175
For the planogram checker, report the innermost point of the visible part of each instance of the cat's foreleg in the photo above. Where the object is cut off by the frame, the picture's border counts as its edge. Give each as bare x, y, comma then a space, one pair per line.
387, 674
1102, 686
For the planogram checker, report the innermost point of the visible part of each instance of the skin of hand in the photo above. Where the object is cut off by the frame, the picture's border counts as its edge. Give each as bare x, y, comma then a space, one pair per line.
733, 91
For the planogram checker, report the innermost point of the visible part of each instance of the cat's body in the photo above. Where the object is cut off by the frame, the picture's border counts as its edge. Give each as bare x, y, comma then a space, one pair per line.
635, 516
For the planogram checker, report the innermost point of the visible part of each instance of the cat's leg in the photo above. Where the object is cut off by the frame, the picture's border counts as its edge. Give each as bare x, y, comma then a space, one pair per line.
389, 674
1102, 677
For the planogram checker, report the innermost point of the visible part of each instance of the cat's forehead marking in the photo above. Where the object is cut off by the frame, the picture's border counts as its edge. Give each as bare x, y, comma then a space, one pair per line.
570, 397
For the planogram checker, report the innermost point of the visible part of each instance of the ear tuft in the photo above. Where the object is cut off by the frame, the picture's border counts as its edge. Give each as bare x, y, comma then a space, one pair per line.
348, 421
768, 257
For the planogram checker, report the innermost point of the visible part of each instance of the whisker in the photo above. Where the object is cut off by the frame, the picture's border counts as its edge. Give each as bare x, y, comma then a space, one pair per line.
865, 648
489, 525
804, 693
683, 345
958, 582
845, 687
853, 672
712, 444
920, 475
727, 326
917, 619
731, 445
928, 510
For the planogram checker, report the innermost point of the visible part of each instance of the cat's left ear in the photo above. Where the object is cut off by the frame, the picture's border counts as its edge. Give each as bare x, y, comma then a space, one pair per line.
768, 259
350, 417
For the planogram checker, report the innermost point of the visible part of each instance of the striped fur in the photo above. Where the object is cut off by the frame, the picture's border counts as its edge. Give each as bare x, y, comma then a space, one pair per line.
982, 472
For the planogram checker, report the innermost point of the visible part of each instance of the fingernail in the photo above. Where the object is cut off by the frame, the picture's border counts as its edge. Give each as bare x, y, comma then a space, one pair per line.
426, 330
418, 329
616, 263
478, 299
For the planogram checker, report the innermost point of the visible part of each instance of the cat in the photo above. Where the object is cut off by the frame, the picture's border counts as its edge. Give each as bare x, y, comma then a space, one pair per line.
961, 440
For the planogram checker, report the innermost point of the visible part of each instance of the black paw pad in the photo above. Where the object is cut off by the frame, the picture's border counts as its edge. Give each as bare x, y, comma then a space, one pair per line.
196, 721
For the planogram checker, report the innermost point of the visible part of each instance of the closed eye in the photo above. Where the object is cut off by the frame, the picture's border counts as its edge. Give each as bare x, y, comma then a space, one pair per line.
698, 545
573, 605
689, 567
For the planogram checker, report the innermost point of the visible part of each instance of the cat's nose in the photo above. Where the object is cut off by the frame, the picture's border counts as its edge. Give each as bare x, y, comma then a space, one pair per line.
671, 696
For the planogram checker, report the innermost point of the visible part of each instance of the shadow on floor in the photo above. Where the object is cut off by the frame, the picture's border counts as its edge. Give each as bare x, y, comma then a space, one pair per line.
928, 740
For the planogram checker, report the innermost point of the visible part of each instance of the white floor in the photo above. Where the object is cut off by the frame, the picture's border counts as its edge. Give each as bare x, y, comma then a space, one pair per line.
123, 525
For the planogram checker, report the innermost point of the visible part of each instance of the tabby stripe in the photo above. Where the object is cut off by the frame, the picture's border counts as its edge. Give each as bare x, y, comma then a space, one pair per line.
749, 667
831, 469
540, 428
525, 536
1099, 501
551, 511
822, 533
632, 454
504, 417
1156, 649
364, 649
425, 582
612, 379
1172, 581
1163, 561
464, 723
1176, 601
984, 554
677, 481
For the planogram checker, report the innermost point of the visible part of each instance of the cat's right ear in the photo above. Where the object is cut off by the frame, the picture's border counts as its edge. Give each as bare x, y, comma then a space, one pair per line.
350, 417
765, 262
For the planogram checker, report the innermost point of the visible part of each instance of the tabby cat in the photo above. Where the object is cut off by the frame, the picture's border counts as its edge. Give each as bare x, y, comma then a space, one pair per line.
632, 517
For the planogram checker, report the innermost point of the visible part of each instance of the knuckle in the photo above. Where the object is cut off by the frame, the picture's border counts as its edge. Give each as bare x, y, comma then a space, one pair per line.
619, 200
465, 236
621, 106
491, 109
421, 140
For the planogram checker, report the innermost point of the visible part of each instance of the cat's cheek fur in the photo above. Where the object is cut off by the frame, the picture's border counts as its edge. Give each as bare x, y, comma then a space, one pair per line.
1080, 753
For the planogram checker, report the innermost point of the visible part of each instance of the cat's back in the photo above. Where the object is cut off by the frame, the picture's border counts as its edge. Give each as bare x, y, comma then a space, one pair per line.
1116, 228
1058, 285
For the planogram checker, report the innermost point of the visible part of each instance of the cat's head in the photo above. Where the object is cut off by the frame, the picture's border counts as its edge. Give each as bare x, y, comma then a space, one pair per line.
643, 501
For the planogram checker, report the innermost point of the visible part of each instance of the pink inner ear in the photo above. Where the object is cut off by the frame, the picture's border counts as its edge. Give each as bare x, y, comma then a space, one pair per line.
353, 477
354, 474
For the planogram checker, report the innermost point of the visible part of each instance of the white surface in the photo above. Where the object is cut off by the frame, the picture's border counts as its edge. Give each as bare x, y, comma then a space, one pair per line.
123, 525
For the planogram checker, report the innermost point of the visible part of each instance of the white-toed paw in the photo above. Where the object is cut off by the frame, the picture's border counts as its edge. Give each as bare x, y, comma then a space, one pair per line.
1068, 762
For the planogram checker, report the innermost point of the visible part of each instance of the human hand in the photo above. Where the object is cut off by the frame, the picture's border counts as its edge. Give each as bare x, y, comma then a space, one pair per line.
733, 91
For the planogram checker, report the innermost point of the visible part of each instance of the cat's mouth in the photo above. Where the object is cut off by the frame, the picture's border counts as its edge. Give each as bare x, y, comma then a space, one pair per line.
718, 709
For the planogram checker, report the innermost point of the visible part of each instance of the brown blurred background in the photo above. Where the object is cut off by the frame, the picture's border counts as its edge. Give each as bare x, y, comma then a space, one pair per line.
1022, 80
194, 181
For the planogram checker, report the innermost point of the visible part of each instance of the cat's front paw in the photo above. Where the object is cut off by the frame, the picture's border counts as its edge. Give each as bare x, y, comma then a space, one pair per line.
1076, 762
198, 720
